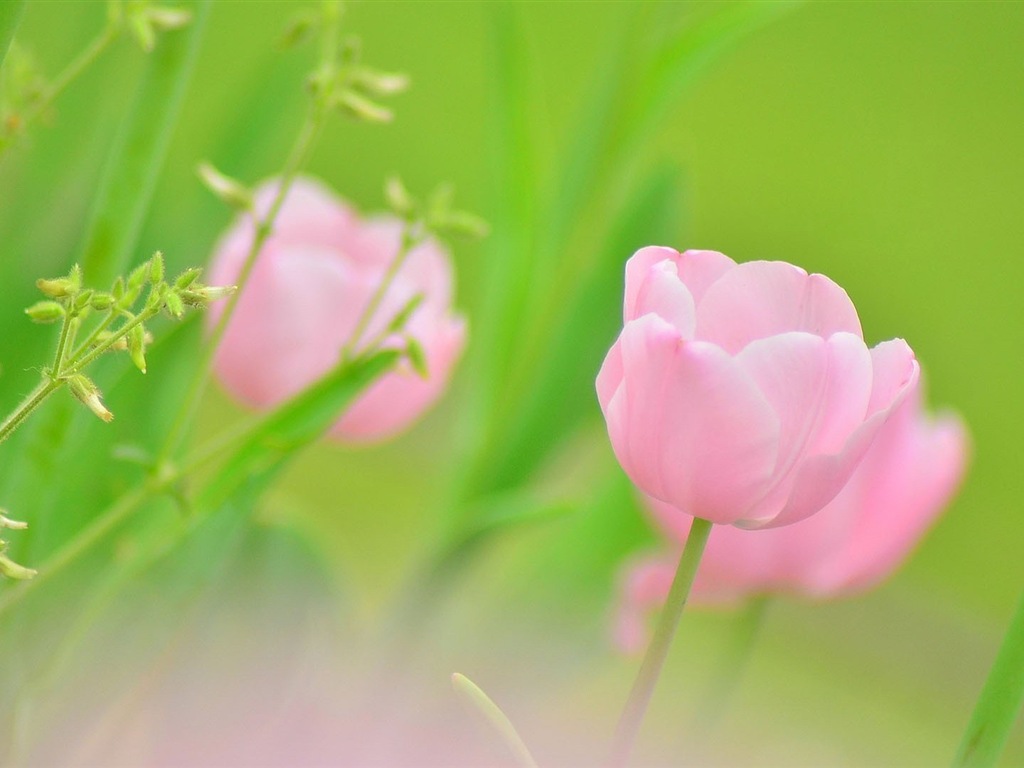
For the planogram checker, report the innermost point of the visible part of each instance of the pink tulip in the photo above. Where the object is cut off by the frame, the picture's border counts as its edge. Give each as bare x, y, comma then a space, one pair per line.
311, 283
743, 394
905, 480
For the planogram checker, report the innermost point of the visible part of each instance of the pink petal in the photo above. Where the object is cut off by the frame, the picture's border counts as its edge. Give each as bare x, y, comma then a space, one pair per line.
609, 377
766, 298
637, 269
312, 215
688, 425
664, 294
699, 269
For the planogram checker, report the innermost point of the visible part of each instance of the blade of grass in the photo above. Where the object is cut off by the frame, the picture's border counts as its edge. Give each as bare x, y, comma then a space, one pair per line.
137, 156
497, 722
10, 17
1000, 702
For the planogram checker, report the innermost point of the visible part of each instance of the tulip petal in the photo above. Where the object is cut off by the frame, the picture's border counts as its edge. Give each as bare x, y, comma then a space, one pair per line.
760, 299
699, 269
637, 268
609, 377
664, 294
688, 425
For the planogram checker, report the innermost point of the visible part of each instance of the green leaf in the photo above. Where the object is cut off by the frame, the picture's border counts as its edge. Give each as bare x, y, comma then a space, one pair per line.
10, 16
133, 166
292, 427
1000, 702
561, 390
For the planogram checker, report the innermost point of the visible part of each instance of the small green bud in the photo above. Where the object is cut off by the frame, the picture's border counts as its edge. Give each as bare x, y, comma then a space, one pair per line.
88, 393
14, 525
377, 83
174, 305
463, 224
357, 106
138, 277
142, 30
163, 17
351, 50
186, 278
399, 320
229, 190
417, 358
398, 197
83, 299
117, 290
102, 301
56, 288
12, 570
156, 268
137, 346
299, 30
440, 204
45, 312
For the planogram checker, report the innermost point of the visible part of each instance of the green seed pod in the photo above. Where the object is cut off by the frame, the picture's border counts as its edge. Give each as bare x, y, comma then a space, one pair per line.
45, 312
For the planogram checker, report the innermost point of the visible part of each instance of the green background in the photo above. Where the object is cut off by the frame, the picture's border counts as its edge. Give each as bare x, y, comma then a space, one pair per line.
878, 143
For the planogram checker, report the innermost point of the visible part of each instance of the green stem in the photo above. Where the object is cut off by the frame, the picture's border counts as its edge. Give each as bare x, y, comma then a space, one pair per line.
408, 243
264, 226
139, 319
62, 343
999, 703
646, 679
94, 334
496, 720
72, 71
33, 400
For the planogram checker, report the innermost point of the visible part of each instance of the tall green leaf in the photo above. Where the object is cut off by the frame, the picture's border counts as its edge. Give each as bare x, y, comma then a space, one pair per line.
137, 156
10, 16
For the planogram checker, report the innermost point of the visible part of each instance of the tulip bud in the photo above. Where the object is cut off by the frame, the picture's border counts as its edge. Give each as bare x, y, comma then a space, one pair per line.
45, 312
89, 394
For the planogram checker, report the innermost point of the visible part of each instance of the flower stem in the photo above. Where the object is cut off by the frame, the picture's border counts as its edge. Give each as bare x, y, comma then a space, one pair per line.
32, 401
408, 243
640, 696
72, 71
264, 226
62, 343
999, 703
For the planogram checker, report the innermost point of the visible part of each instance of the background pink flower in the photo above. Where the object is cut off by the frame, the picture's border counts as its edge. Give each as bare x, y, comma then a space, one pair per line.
905, 480
312, 281
743, 394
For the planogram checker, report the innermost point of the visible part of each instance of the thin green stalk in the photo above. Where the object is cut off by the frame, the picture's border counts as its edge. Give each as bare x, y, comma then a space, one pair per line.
71, 72
95, 333
646, 679
32, 401
999, 704
10, 16
296, 159
496, 721
408, 243
77, 365
62, 343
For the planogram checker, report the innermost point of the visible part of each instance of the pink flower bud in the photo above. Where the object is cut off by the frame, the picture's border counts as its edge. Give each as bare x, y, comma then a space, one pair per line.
905, 480
311, 282
743, 394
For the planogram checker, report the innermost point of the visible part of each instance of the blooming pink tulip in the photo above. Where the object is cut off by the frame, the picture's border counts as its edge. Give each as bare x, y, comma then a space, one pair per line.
310, 284
743, 394
905, 480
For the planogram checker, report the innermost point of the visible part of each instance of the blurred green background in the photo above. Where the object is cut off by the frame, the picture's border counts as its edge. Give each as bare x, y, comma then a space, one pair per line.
878, 143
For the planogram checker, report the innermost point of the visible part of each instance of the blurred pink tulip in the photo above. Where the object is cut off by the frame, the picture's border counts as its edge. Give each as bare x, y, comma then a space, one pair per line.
743, 394
905, 480
311, 282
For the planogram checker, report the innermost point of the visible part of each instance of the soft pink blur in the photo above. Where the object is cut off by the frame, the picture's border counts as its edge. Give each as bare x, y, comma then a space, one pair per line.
311, 282
906, 479
743, 394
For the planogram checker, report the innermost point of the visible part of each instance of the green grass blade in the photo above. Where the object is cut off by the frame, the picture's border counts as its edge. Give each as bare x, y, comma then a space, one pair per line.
497, 722
562, 391
1000, 702
135, 161
292, 427
10, 16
